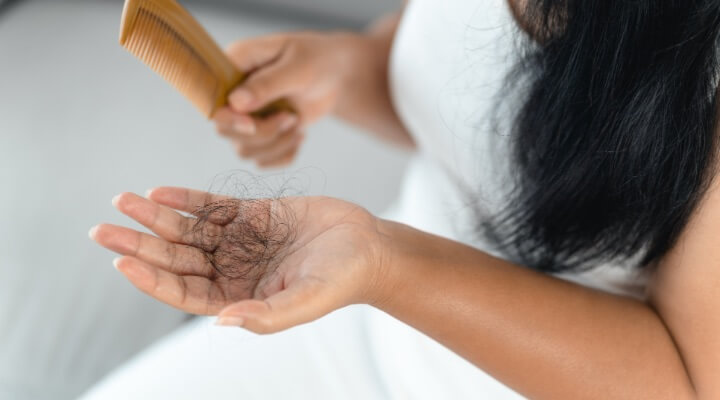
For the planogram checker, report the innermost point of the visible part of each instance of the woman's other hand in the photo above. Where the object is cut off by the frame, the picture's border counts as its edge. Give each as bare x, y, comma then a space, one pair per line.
266, 264
310, 70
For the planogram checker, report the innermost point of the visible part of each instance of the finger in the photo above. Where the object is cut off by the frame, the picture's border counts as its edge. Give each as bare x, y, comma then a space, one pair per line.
268, 84
251, 54
183, 199
264, 131
223, 116
169, 224
272, 127
175, 258
218, 209
192, 294
281, 154
279, 146
303, 302
231, 124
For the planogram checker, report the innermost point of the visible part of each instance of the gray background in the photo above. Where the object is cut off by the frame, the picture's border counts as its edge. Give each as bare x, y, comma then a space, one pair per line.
80, 121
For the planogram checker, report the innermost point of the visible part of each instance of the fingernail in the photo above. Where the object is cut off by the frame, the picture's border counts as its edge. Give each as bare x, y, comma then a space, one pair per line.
288, 123
115, 200
92, 232
244, 126
148, 192
230, 321
116, 261
241, 99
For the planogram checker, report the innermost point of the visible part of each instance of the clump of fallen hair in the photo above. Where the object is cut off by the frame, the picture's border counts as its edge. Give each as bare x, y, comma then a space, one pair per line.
254, 240
246, 239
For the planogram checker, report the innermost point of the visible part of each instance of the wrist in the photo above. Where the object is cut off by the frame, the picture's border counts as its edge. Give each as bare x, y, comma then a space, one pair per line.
391, 262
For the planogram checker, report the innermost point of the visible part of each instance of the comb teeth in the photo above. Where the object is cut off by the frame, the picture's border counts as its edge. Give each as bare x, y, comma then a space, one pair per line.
154, 37
170, 41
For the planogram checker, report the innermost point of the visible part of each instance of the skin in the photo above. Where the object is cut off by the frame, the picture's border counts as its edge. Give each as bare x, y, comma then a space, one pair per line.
311, 70
544, 337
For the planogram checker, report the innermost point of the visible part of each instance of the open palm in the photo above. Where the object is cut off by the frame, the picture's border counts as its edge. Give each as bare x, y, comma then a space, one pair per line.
265, 264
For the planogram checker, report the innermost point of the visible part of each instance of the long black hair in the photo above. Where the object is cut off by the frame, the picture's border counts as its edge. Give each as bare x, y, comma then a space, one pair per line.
615, 139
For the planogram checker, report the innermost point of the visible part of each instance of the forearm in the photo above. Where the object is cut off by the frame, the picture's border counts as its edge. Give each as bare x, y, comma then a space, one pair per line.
366, 100
544, 337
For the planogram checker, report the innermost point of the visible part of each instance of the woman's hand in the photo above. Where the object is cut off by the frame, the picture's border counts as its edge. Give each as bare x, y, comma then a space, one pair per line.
311, 70
266, 265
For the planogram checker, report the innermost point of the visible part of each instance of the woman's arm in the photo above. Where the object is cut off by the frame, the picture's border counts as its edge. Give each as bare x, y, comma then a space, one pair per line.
369, 104
268, 265
551, 339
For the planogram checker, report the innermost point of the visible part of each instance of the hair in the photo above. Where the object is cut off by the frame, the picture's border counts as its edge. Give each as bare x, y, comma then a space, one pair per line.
615, 137
247, 234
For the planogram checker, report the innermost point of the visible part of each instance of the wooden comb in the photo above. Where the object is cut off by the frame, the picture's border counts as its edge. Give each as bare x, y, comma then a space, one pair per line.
170, 41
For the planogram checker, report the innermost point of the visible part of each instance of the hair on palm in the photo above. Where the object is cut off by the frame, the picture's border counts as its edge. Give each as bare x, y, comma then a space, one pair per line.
257, 228
255, 236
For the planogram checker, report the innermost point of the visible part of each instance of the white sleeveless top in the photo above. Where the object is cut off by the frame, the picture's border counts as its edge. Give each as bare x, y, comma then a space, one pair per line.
448, 65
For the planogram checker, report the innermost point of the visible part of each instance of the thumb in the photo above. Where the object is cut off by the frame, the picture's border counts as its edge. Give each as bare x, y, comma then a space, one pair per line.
251, 54
268, 84
303, 302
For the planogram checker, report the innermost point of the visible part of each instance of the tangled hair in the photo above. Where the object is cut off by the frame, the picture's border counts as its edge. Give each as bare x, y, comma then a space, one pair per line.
248, 234
615, 141
254, 238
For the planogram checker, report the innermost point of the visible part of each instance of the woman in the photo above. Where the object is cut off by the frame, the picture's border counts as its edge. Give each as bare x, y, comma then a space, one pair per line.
577, 168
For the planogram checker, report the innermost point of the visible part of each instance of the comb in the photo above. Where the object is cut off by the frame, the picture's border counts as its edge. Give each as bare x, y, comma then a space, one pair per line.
167, 38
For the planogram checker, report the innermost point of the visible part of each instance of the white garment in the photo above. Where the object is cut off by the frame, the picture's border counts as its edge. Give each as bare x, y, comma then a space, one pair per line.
448, 63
